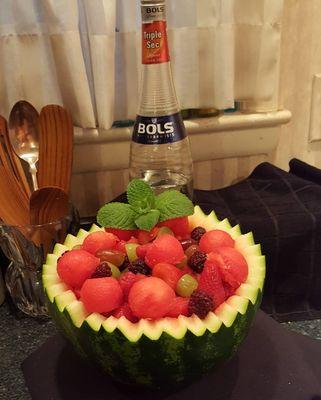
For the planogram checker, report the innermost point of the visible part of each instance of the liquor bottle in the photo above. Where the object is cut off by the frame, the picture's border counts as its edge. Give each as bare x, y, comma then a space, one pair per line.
160, 149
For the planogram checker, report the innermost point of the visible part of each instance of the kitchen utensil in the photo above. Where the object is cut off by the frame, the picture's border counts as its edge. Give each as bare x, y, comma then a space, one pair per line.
48, 204
13, 200
56, 146
24, 135
12, 158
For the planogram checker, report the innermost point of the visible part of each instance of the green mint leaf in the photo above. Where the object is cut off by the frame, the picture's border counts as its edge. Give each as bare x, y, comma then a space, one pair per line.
140, 196
147, 221
173, 204
117, 215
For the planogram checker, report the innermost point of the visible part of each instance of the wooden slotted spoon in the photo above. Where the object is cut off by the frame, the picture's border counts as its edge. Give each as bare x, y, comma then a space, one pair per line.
14, 208
13, 160
56, 147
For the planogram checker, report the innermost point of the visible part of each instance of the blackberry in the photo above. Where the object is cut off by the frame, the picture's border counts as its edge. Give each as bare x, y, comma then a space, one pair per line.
125, 264
197, 261
200, 303
139, 267
197, 233
102, 271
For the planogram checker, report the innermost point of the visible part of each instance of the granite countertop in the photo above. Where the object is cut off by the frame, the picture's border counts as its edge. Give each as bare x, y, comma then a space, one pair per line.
21, 335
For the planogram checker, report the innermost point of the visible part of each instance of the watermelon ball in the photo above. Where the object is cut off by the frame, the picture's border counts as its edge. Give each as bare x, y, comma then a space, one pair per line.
75, 266
101, 295
120, 246
120, 233
125, 311
232, 265
165, 248
142, 250
211, 240
180, 226
144, 237
127, 280
150, 298
169, 273
98, 241
179, 306
211, 283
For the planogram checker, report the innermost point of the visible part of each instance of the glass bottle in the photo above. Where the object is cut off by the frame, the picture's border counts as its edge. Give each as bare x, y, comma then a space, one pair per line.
160, 149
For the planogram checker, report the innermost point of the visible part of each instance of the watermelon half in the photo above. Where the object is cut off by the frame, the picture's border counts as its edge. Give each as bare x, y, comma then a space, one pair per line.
169, 351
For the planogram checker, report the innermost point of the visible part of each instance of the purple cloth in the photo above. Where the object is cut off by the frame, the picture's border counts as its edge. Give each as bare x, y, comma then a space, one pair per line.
272, 364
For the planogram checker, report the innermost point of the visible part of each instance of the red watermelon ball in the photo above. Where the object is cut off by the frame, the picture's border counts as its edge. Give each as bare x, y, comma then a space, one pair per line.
165, 248
169, 273
121, 233
180, 226
211, 240
179, 306
75, 266
232, 264
101, 295
99, 241
150, 298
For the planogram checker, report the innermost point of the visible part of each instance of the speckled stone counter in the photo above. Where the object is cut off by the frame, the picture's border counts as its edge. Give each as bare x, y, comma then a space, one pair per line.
21, 335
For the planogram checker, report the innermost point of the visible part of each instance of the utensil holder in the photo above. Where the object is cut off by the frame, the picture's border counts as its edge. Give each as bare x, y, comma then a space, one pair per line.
21, 246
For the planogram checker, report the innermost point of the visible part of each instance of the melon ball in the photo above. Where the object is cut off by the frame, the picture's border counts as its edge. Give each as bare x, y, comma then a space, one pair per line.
232, 264
166, 248
75, 266
150, 298
101, 295
99, 241
211, 240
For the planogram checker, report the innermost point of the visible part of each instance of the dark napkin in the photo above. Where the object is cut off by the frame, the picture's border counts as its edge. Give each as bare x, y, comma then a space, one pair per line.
283, 209
305, 171
272, 364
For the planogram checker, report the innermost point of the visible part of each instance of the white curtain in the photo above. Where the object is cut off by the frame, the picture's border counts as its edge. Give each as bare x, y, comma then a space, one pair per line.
85, 54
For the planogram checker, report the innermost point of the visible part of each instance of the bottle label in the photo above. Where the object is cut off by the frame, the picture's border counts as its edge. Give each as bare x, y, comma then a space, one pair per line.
154, 46
159, 130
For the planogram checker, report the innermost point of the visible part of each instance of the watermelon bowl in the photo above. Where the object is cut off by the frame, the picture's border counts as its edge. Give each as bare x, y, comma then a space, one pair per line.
167, 352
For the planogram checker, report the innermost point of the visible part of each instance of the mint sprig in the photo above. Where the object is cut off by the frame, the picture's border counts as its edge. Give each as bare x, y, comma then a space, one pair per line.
147, 221
145, 209
173, 204
140, 196
117, 215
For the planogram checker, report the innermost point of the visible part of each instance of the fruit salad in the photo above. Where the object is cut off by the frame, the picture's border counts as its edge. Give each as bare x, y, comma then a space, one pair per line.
166, 271
160, 293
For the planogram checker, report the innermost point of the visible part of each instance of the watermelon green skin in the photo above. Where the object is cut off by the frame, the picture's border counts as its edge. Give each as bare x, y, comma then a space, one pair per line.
170, 352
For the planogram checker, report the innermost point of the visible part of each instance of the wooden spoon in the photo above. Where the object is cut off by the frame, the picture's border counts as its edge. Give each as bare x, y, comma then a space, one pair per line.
56, 147
13, 160
14, 208
48, 204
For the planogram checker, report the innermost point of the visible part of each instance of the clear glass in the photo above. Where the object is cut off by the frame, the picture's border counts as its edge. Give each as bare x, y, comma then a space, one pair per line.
26, 247
164, 166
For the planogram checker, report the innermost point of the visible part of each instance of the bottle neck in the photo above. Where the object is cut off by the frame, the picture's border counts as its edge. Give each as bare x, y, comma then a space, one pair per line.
157, 95
154, 35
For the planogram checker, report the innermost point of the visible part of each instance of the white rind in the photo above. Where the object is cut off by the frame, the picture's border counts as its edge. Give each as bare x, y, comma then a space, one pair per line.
225, 314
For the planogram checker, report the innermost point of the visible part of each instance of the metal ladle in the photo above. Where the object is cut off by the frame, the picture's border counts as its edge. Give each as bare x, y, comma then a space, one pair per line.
24, 135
